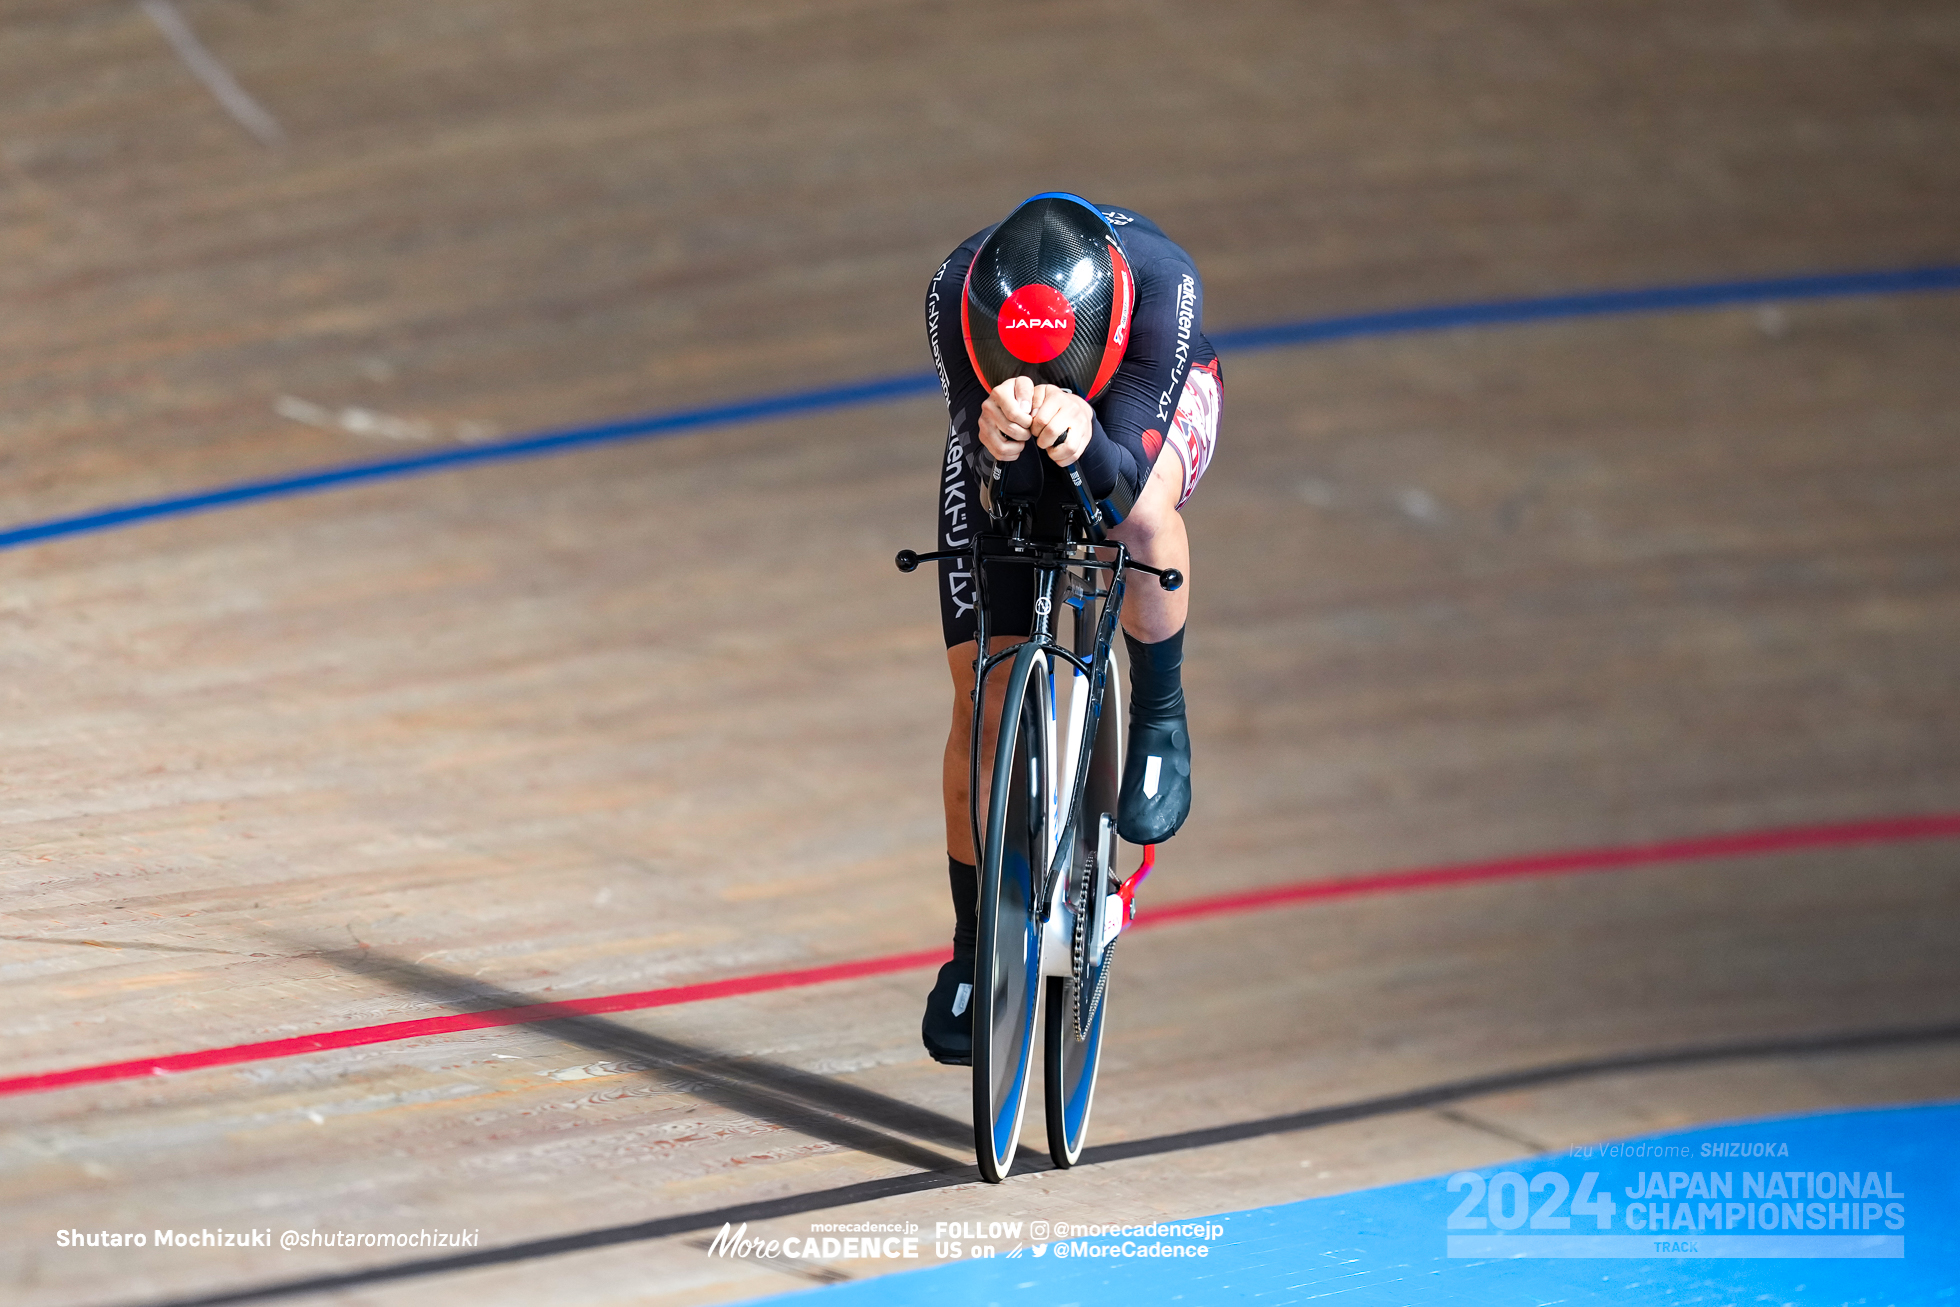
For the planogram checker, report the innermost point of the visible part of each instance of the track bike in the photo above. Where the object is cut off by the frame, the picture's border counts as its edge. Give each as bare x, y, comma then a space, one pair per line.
1052, 901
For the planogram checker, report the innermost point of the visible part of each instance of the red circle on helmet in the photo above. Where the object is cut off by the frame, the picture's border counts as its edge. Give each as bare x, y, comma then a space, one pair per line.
1036, 323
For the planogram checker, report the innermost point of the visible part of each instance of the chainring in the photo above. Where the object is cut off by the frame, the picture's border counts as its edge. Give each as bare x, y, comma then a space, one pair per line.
1089, 897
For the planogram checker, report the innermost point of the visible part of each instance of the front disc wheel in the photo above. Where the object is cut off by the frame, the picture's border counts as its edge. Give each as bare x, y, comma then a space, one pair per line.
1007, 968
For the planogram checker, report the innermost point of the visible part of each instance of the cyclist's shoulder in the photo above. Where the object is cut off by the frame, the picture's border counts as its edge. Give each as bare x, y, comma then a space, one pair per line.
1144, 242
1128, 221
962, 256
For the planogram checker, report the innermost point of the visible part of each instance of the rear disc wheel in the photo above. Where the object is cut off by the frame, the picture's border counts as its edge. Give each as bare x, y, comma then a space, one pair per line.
1077, 1004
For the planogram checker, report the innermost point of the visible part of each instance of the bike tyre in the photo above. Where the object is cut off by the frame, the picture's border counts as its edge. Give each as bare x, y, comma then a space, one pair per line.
1070, 1062
1007, 966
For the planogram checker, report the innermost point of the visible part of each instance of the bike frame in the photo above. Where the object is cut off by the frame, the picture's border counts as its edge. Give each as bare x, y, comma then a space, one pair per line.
1072, 564
1052, 560
1070, 766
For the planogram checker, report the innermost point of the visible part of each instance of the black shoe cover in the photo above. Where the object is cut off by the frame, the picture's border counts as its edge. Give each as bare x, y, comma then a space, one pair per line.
948, 1025
1156, 781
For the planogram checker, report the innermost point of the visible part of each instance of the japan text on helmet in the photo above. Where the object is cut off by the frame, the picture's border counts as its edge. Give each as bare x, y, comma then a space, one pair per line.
1049, 297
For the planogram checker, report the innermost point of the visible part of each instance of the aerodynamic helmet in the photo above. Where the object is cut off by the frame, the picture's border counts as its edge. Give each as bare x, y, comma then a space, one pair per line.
1049, 296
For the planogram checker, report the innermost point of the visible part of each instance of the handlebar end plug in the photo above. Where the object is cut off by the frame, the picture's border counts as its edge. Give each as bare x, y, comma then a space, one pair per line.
907, 560
1172, 579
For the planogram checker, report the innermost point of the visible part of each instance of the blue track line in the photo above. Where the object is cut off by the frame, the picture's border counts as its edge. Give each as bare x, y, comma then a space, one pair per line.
1655, 299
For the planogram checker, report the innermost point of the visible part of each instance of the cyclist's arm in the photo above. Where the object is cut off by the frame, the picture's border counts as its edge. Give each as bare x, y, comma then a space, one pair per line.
1135, 411
962, 389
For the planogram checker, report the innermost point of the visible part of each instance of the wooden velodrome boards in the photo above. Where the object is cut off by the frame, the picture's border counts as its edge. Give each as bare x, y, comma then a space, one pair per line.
661, 713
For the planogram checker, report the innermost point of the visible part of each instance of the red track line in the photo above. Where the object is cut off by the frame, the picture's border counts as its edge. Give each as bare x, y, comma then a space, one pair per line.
449, 1025
1886, 831
1892, 830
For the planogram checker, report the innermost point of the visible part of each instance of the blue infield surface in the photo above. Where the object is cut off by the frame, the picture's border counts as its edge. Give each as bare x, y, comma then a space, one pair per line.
1844, 1208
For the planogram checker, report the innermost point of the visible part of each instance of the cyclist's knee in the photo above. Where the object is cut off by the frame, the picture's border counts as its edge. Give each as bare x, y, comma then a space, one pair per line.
959, 661
1152, 522
1155, 509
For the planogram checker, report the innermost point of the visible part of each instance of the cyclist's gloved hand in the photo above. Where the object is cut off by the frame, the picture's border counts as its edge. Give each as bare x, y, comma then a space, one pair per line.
1061, 423
1004, 418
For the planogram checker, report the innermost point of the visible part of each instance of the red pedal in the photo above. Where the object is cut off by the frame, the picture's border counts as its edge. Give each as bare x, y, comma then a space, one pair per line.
1127, 891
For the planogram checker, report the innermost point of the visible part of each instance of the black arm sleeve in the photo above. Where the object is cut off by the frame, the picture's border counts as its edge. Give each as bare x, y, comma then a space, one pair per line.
1136, 409
962, 388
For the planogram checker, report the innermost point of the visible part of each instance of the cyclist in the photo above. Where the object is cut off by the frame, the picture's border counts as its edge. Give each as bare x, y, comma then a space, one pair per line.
1075, 329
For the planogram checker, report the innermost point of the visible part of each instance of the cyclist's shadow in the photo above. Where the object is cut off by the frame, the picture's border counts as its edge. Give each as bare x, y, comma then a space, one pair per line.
846, 1115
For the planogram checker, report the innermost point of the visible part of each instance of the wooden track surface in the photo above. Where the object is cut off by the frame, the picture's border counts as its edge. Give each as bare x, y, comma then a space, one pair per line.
663, 712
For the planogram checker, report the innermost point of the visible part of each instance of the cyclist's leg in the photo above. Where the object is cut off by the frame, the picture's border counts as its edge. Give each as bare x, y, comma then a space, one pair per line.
947, 1028
1010, 592
1157, 770
959, 742
1154, 532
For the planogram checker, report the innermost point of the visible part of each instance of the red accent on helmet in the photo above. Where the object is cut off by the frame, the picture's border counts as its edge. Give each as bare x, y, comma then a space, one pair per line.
966, 330
1063, 243
1119, 322
1036, 323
